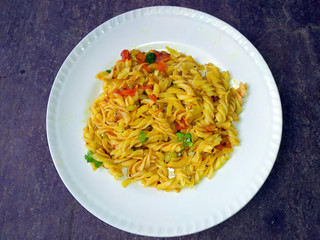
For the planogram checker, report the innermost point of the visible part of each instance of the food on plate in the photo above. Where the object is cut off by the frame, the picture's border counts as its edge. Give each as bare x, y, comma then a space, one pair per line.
163, 119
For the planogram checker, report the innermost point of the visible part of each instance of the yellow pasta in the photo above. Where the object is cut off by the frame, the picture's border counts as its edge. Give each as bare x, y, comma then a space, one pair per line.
163, 119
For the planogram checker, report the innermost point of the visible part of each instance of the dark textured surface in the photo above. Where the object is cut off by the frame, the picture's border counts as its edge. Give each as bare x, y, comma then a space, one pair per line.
36, 37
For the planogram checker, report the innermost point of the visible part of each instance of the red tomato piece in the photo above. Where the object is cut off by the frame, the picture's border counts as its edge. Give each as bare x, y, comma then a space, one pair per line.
130, 92
163, 57
155, 53
161, 67
145, 67
125, 54
117, 91
125, 85
219, 147
140, 57
223, 145
184, 123
149, 87
228, 145
177, 125
153, 97
181, 125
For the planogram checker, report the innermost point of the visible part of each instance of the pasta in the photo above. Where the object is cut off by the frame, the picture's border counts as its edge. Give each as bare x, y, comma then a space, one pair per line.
163, 119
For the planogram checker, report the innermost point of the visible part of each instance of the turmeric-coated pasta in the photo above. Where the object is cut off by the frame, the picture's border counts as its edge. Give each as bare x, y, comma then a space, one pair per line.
163, 119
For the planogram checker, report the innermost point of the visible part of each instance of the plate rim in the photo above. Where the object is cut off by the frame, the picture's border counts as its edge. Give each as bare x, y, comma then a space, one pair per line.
113, 23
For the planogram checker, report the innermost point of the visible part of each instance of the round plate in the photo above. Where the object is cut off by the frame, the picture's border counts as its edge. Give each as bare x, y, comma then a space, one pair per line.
146, 211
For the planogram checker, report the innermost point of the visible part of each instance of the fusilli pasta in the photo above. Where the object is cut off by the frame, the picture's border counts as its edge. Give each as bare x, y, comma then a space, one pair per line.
163, 119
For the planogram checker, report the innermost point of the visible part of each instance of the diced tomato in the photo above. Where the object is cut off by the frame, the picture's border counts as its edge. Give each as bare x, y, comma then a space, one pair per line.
181, 125
145, 67
149, 87
163, 57
223, 145
130, 92
125, 54
161, 67
153, 97
145, 87
210, 127
228, 145
117, 91
177, 125
155, 53
219, 147
140, 57
125, 85
184, 123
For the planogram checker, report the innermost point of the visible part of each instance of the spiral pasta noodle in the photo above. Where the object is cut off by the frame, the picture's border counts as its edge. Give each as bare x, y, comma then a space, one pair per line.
163, 119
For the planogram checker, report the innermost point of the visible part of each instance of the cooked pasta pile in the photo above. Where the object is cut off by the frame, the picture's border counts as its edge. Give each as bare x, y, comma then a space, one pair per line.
163, 119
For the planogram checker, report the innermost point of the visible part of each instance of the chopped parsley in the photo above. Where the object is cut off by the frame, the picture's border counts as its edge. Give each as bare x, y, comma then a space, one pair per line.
108, 71
186, 139
143, 137
150, 58
180, 136
89, 158
133, 56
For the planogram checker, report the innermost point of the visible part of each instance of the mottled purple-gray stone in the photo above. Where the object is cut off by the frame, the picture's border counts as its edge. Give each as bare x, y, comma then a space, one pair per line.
35, 39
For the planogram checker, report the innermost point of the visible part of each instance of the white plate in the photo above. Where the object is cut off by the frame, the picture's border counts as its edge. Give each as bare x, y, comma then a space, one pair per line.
141, 210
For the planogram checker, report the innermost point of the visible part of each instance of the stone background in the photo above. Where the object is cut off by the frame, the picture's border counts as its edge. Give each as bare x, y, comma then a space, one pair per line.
35, 39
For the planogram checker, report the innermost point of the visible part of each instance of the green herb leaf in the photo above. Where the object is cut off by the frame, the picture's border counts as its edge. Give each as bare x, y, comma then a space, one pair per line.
180, 136
90, 153
186, 139
143, 137
108, 71
89, 158
188, 135
133, 56
134, 148
187, 143
150, 58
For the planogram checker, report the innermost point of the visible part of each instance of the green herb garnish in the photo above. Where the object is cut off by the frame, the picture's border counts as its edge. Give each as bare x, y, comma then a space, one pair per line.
133, 56
89, 158
180, 136
143, 137
150, 58
108, 71
186, 139
134, 148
